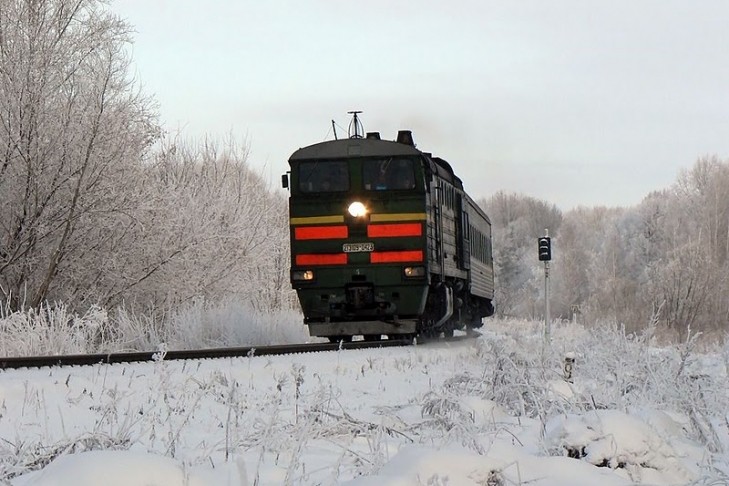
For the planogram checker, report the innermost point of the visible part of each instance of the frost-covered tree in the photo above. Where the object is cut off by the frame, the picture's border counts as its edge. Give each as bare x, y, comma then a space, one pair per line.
72, 132
570, 282
95, 207
518, 221
691, 278
665, 260
209, 228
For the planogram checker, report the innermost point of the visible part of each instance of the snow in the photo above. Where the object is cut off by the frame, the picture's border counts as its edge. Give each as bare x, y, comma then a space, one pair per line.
124, 468
487, 411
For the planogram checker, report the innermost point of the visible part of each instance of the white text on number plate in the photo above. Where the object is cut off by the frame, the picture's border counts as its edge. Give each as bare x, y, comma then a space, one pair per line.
357, 247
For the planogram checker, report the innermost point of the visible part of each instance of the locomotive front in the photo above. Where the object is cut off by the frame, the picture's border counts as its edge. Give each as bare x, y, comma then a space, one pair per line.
358, 225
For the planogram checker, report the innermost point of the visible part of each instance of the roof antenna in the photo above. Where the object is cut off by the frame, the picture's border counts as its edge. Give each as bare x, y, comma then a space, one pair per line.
334, 127
355, 125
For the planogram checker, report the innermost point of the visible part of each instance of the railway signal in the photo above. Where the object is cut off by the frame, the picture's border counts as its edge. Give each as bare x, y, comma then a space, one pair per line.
545, 249
545, 255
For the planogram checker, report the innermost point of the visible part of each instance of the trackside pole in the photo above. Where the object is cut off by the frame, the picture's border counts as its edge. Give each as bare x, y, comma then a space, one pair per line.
545, 255
547, 320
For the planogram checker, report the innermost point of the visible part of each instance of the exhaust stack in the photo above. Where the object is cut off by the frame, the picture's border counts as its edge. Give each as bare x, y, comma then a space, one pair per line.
405, 137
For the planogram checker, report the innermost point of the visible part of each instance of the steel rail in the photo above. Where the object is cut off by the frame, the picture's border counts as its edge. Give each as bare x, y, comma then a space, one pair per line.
131, 357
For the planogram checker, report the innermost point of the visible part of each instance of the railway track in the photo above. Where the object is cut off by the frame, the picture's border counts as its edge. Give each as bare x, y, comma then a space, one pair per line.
130, 357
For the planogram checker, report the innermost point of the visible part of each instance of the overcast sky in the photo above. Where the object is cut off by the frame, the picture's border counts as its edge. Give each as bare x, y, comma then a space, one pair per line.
574, 102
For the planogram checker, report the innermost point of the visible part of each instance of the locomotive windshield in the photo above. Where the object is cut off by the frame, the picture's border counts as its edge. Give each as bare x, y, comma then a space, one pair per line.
381, 174
388, 174
324, 176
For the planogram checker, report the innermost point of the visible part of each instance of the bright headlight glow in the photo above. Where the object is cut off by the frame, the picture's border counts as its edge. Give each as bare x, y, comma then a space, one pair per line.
357, 209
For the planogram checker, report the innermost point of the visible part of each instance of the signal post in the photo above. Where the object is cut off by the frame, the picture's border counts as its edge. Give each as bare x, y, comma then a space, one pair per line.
545, 255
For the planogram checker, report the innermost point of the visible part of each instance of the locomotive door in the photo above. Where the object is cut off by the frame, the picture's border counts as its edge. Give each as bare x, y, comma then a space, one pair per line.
463, 235
436, 210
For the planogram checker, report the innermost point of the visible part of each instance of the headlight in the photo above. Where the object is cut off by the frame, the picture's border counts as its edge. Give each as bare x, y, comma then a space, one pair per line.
357, 209
414, 272
302, 275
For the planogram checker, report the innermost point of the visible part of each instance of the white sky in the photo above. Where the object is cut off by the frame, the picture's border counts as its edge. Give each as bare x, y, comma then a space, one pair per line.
574, 102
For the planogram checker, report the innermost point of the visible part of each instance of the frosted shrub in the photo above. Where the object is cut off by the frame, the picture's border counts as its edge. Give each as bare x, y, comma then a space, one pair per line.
623, 371
218, 324
52, 329
614, 369
232, 323
445, 411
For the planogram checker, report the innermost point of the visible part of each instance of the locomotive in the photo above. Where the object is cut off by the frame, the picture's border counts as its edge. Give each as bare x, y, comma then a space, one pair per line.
385, 241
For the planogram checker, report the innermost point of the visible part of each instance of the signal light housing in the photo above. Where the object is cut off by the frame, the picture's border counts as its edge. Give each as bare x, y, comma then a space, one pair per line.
545, 249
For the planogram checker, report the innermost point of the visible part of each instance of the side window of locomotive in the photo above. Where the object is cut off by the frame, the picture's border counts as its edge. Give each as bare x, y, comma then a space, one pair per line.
317, 176
388, 174
479, 245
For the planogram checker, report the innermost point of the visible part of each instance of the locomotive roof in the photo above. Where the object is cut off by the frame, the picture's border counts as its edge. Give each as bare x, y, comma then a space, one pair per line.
359, 147
444, 170
370, 147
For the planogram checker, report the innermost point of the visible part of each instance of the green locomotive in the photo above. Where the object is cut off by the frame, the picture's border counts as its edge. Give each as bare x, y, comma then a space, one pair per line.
384, 241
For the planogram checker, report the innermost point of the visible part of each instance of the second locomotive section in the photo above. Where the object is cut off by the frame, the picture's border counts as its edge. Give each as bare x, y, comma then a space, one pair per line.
385, 241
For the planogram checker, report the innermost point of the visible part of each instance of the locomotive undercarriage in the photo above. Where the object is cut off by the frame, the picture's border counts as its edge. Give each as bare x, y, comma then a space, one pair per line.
360, 310
451, 308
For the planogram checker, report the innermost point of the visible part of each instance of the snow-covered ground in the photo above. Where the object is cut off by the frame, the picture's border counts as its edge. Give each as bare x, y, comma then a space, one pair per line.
496, 410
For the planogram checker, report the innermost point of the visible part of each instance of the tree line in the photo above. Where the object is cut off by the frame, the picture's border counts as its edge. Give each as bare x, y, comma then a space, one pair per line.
662, 262
97, 205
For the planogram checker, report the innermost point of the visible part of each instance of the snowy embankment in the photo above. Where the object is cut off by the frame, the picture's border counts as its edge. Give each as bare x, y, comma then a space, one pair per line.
495, 410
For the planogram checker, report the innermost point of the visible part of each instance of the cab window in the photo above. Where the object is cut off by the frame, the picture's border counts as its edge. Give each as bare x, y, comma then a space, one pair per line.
388, 174
323, 176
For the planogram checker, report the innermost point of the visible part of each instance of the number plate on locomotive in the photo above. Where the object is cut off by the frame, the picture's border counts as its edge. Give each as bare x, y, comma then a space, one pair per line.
357, 247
